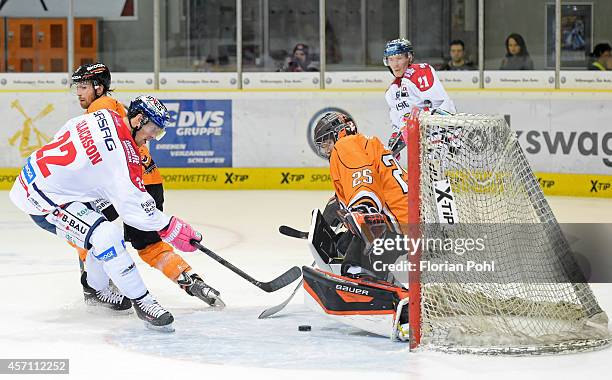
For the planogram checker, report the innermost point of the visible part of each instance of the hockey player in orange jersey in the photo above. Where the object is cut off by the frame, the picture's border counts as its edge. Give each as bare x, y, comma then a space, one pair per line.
92, 84
370, 187
354, 282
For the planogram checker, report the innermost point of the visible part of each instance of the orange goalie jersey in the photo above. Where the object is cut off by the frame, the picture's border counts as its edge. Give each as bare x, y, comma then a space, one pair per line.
364, 173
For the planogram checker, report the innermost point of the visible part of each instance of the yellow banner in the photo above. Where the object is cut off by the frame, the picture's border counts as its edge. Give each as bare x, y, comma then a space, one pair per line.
579, 185
576, 185
247, 178
7, 177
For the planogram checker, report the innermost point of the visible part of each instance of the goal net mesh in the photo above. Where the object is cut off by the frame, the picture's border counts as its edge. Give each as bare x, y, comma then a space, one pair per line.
535, 299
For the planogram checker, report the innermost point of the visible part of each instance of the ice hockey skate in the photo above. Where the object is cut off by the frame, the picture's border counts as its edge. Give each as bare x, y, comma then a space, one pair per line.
105, 298
153, 314
196, 287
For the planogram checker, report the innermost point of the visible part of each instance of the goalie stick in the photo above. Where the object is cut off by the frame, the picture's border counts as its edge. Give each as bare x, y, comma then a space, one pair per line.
280, 282
291, 232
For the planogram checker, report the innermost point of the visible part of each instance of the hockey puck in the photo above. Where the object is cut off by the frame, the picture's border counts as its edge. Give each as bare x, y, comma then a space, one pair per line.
304, 328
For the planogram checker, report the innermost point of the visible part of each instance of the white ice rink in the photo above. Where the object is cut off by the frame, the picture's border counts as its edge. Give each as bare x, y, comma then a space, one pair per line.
42, 313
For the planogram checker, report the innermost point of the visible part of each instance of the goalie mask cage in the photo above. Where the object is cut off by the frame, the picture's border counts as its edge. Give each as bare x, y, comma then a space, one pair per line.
537, 300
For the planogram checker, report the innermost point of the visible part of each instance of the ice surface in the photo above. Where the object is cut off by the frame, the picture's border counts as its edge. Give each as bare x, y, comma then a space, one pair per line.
42, 313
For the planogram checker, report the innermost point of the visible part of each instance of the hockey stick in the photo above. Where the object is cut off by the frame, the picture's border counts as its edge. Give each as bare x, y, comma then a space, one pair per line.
275, 309
280, 282
292, 232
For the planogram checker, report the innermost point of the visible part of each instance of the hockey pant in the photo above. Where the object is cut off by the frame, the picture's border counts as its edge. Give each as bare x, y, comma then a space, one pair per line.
107, 257
151, 249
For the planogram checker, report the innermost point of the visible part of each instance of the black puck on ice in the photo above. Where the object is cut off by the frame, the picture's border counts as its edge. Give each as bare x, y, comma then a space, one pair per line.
304, 328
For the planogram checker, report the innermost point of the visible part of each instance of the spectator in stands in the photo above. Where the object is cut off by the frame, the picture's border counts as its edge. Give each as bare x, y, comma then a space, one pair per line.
300, 60
457, 55
601, 57
517, 56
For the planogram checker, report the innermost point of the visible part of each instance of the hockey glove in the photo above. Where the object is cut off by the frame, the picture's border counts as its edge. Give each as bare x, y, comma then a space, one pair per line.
179, 234
396, 144
367, 226
440, 111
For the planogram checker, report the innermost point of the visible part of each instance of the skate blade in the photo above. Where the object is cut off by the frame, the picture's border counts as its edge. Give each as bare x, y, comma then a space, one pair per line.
165, 329
105, 311
218, 303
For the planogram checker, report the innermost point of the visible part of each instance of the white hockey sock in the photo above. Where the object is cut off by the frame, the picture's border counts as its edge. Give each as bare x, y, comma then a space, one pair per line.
110, 252
96, 276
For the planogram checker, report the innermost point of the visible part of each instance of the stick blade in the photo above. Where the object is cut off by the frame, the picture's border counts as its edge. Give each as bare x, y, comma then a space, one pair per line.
275, 309
271, 311
292, 232
283, 280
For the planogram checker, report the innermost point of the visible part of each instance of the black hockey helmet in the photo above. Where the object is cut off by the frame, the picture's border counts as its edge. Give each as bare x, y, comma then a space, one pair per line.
332, 126
97, 73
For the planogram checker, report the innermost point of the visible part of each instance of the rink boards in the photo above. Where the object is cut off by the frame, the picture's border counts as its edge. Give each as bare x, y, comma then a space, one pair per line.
261, 140
579, 185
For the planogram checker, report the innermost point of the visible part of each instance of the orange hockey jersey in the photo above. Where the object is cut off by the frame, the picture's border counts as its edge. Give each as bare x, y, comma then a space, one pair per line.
151, 175
365, 173
106, 102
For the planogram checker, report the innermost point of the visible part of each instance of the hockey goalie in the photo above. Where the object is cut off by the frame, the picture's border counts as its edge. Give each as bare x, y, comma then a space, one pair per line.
352, 282
469, 179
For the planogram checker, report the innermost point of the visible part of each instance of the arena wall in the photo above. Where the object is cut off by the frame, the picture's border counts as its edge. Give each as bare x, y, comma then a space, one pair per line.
254, 139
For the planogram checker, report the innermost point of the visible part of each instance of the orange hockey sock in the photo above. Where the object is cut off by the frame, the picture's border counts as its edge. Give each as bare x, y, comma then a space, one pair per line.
161, 256
81, 251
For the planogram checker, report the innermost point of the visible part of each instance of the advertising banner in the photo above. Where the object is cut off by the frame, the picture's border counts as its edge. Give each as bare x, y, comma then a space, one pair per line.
559, 134
528, 79
198, 81
459, 79
29, 82
280, 80
595, 80
199, 135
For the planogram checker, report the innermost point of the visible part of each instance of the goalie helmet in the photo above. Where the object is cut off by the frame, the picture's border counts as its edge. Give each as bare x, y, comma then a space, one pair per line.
332, 126
397, 47
152, 110
97, 73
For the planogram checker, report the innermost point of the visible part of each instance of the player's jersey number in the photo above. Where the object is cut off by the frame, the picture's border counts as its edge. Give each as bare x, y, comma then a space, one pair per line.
423, 82
362, 176
60, 152
397, 172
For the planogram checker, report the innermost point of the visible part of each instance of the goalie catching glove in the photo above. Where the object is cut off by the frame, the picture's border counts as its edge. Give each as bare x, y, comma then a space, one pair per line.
179, 234
368, 226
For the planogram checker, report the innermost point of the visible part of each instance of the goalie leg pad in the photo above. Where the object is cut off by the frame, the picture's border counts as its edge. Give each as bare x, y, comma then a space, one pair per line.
110, 256
75, 223
161, 256
373, 306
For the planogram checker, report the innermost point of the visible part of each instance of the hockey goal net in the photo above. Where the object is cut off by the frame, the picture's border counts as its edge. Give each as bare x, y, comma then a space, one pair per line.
475, 182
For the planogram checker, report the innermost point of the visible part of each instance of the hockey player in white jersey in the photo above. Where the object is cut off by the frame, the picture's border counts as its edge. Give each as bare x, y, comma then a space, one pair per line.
415, 85
96, 156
